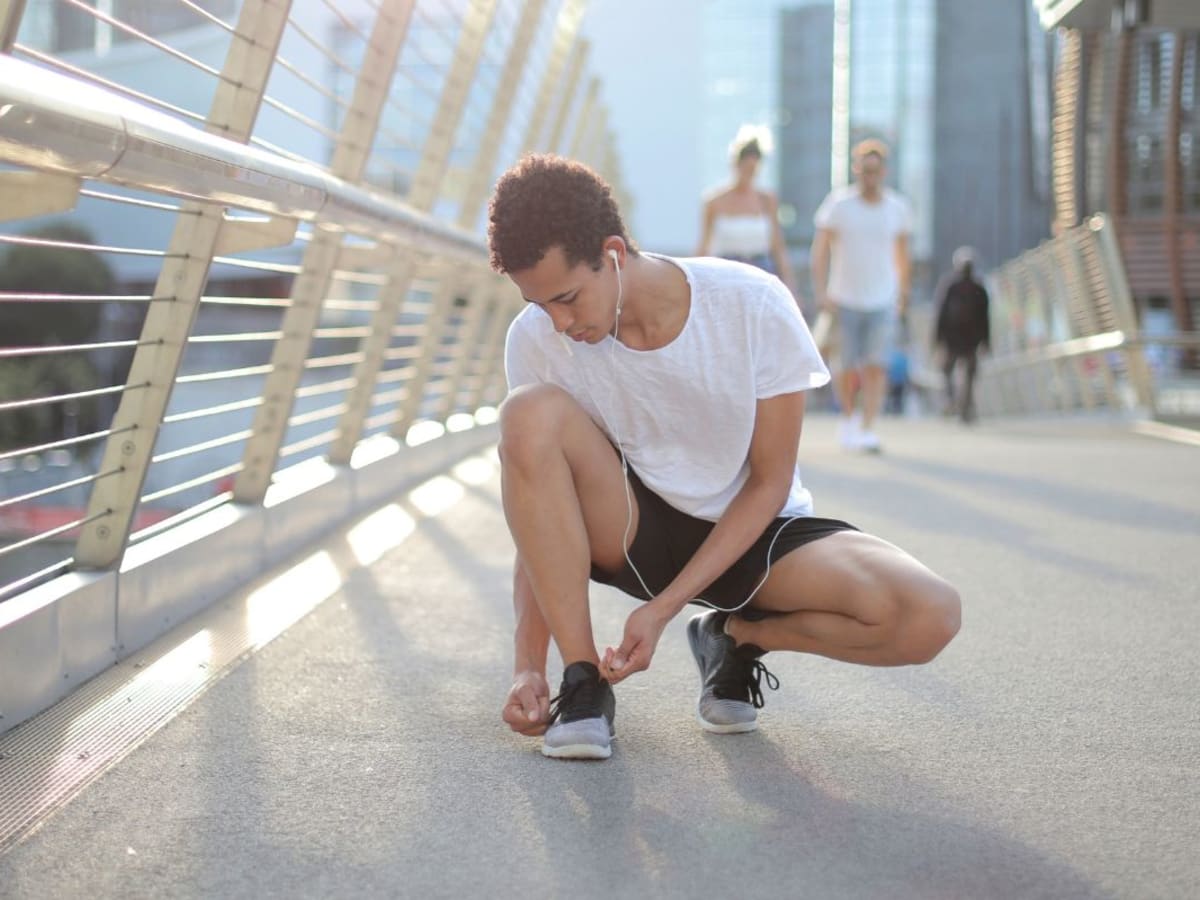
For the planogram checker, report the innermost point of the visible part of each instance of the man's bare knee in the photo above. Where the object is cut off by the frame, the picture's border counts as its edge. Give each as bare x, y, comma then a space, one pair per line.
936, 620
529, 422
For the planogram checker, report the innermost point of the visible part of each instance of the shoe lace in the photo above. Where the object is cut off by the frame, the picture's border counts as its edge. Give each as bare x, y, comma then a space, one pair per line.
741, 678
575, 696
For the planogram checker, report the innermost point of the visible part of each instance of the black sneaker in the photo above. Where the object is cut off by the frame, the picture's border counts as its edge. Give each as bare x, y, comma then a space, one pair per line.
581, 716
730, 676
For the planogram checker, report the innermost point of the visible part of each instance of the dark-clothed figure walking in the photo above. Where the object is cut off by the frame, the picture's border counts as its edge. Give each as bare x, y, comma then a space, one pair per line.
962, 330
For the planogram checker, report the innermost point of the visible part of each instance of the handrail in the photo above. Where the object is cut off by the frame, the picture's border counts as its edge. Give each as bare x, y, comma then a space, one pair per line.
1070, 299
58, 124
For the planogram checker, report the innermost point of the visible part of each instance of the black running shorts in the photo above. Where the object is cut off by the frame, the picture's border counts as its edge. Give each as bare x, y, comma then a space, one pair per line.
667, 538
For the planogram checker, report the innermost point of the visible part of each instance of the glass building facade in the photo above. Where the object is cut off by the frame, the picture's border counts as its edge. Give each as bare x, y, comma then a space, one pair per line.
885, 53
806, 119
959, 90
740, 50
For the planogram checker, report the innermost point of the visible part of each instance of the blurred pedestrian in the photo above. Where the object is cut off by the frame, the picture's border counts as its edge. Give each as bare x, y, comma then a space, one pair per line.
741, 222
861, 275
961, 331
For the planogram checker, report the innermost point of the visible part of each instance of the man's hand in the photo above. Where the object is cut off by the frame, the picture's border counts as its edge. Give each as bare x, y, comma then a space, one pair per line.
643, 628
528, 704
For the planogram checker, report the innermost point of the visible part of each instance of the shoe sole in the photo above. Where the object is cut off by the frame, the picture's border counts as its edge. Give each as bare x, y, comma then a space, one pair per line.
734, 728
713, 727
577, 751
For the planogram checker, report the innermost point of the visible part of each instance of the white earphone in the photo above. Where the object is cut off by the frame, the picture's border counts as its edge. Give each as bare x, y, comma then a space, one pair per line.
617, 265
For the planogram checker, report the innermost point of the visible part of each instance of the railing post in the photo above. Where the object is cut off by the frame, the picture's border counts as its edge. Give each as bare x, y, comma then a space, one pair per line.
447, 277
567, 97
585, 119
491, 362
1075, 265
426, 185
565, 31
1040, 383
177, 297
321, 256
427, 181
1066, 275
1173, 190
1117, 284
479, 178
11, 13
478, 303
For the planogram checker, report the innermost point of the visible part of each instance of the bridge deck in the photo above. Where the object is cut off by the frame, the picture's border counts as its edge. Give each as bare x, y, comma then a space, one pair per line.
1051, 751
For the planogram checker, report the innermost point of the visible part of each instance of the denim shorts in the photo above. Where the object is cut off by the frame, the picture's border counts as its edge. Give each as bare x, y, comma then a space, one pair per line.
865, 336
667, 538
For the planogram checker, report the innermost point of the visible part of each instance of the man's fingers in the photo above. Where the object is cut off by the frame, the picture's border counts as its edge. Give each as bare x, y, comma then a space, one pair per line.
637, 659
517, 719
530, 706
629, 646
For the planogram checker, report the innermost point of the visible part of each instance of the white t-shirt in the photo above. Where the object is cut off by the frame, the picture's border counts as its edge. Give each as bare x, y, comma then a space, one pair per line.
863, 272
684, 413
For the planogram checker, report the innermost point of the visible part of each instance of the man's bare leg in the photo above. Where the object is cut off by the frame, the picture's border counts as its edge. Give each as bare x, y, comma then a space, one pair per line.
846, 382
565, 502
874, 384
856, 598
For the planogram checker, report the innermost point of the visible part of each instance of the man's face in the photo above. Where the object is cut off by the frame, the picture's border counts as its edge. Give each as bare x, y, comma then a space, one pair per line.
747, 166
870, 172
579, 300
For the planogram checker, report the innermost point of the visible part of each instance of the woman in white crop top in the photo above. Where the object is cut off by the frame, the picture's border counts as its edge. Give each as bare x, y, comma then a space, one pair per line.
741, 222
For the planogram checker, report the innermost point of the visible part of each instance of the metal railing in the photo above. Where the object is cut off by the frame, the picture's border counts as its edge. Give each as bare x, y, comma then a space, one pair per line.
1066, 334
195, 300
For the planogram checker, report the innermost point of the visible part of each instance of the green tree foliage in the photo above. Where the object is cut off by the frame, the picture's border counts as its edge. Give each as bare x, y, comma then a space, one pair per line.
36, 269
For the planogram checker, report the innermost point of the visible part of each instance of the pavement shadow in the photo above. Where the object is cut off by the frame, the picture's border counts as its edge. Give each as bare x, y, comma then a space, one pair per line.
857, 849
939, 510
1095, 502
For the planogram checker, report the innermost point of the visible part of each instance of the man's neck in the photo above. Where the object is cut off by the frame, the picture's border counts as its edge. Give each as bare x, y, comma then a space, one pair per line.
871, 195
656, 304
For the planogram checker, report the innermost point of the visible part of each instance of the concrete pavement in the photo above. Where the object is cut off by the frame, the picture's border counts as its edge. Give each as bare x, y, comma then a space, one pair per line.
1051, 751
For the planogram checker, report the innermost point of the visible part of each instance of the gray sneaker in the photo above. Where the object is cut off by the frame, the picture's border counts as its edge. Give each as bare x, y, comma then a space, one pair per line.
730, 676
581, 716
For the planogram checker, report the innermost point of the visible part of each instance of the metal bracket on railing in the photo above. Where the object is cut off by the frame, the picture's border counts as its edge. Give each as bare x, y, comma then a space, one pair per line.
243, 235
27, 194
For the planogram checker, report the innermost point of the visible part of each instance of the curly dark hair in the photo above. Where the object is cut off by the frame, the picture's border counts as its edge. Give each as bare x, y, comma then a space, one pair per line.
546, 201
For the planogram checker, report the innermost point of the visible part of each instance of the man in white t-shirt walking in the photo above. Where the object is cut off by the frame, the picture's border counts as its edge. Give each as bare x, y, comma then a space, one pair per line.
864, 228
649, 441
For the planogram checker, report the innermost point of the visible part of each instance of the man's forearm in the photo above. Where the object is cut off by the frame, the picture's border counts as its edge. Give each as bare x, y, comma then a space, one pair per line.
904, 272
531, 637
